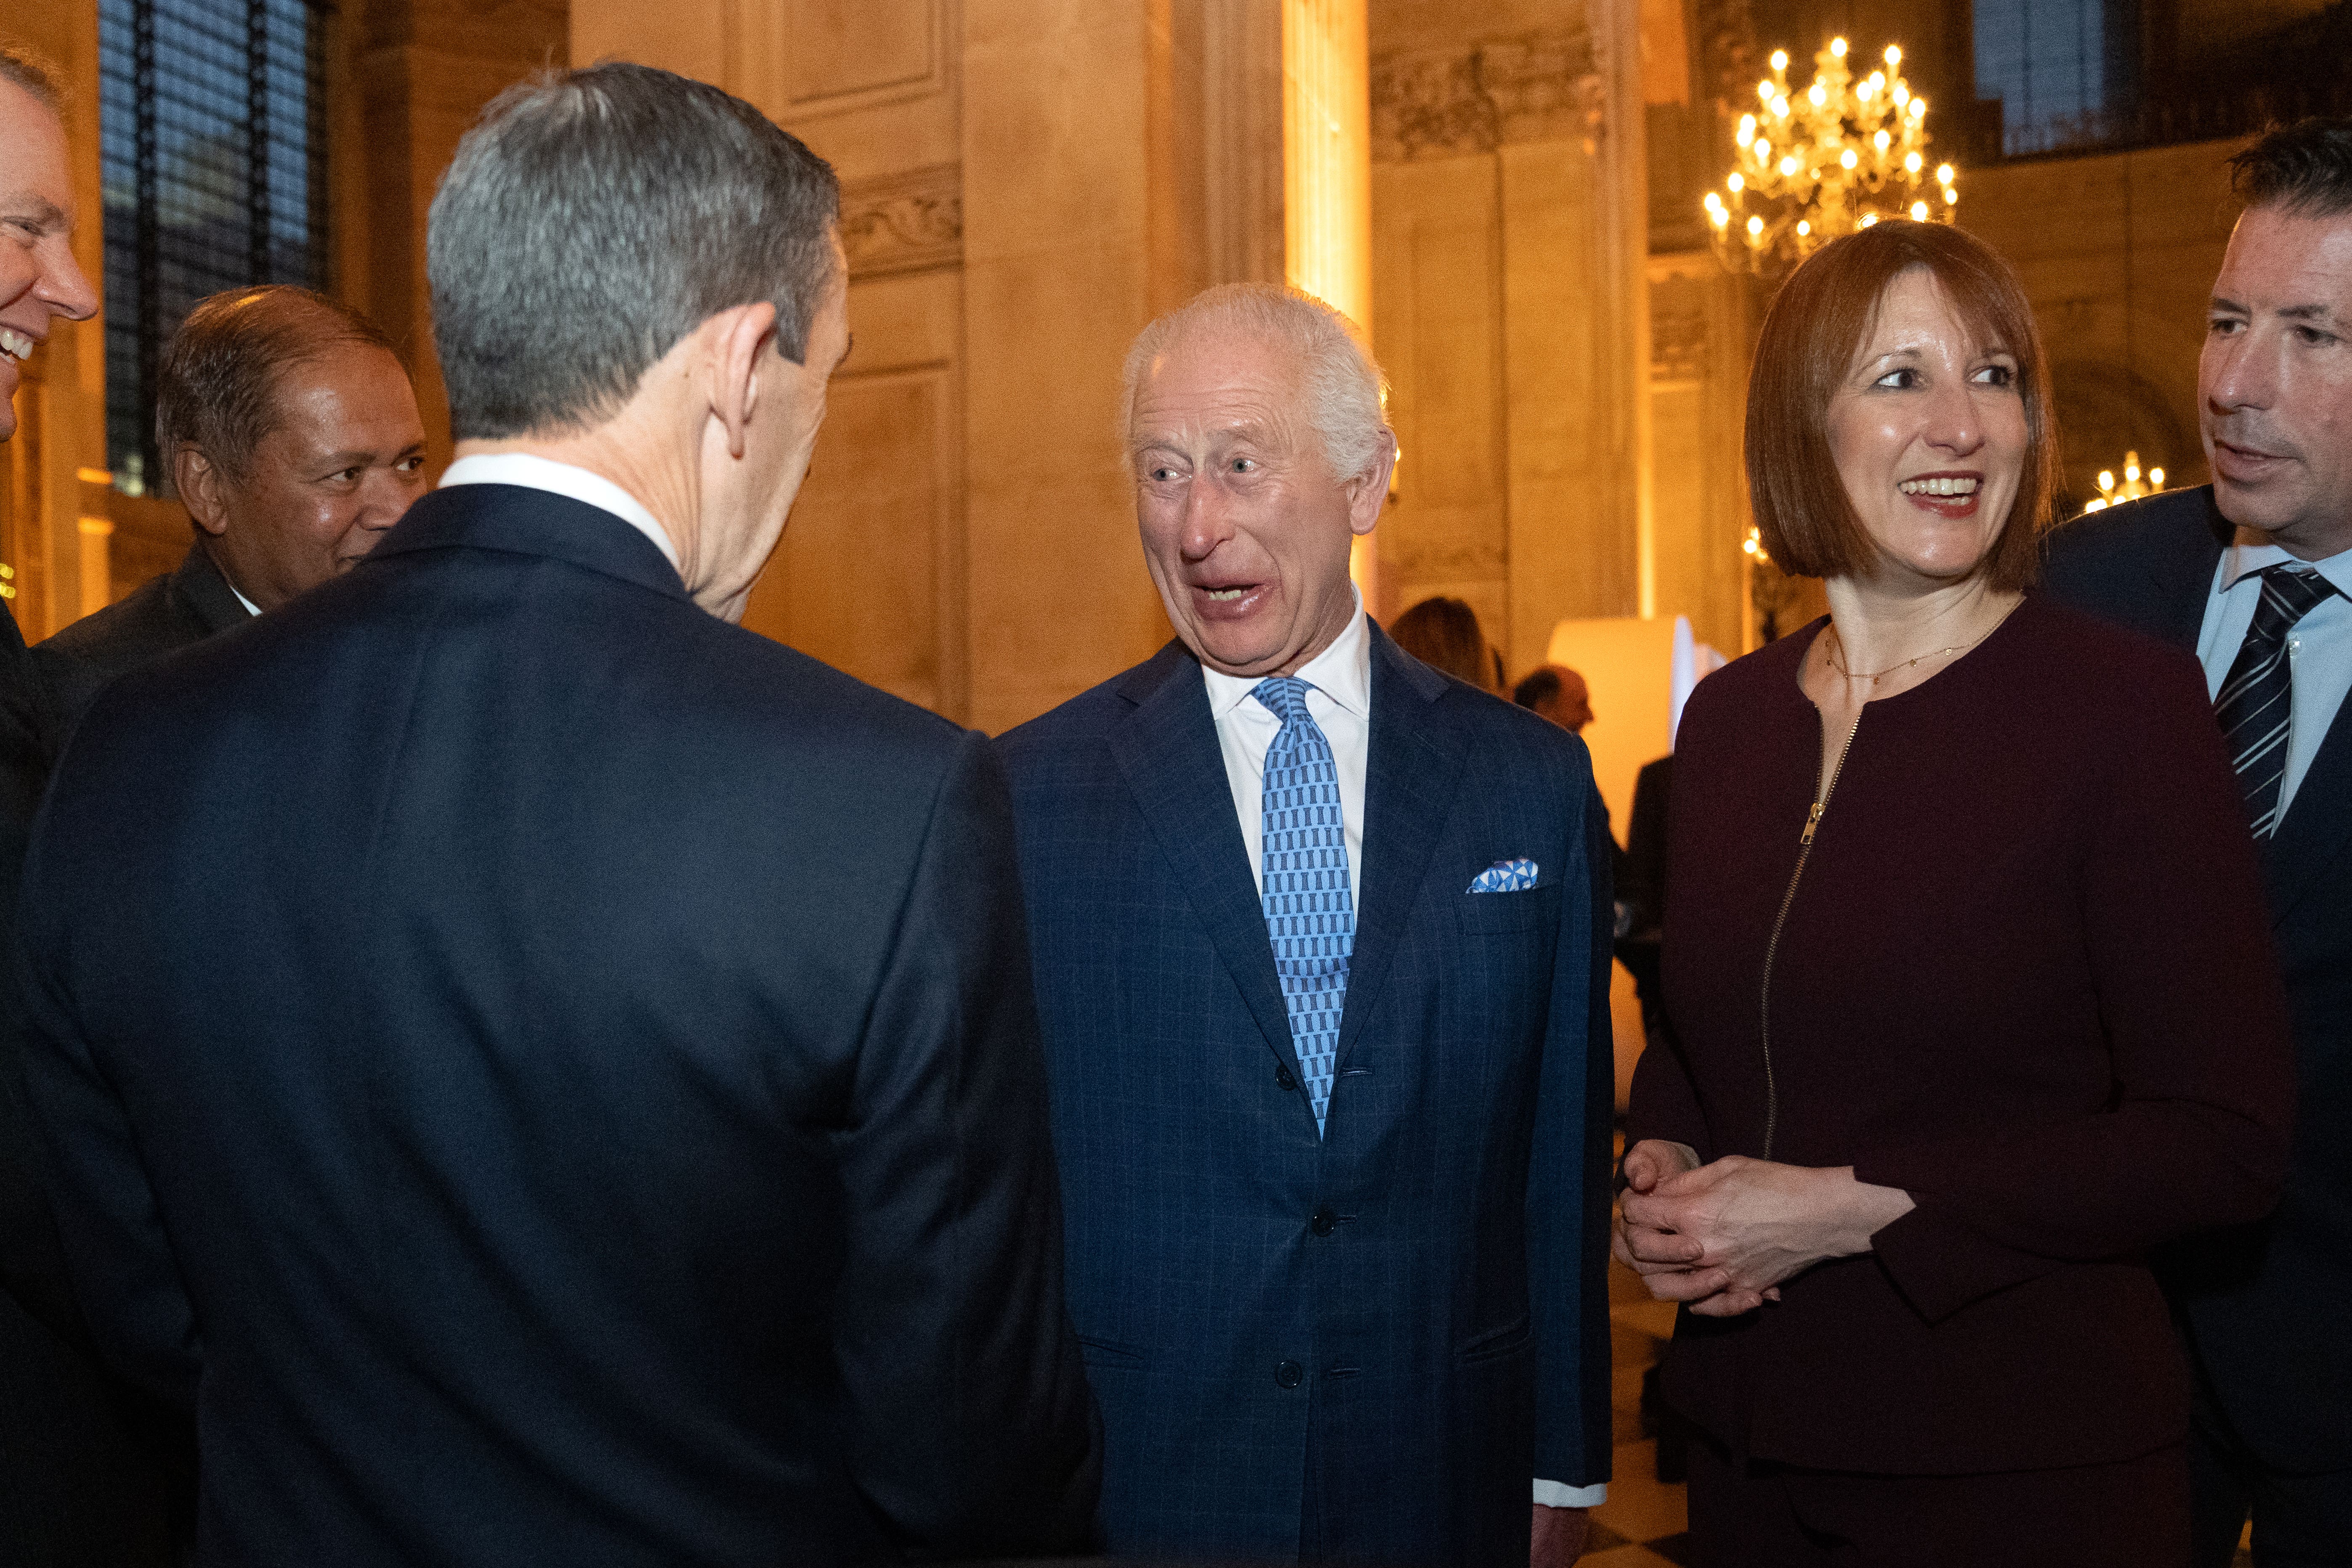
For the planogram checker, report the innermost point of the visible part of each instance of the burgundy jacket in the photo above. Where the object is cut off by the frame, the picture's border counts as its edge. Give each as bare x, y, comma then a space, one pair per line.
2024, 976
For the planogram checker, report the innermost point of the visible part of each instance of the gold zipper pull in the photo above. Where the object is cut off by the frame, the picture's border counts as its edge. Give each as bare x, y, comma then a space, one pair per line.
1812, 820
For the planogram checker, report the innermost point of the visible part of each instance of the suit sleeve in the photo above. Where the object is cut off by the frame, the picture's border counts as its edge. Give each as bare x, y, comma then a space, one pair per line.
1567, 1187
2196, 1131
976, 1433
1663, 1100
121, 1260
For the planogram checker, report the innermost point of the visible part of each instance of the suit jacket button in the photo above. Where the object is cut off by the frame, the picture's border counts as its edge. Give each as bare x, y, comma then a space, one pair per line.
1289, 1374
1324, 1222
1284, 1080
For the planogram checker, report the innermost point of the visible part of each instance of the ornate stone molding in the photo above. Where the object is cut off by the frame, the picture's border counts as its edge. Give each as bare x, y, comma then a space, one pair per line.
1452, 102
903, 223
1725, 30
1678, 343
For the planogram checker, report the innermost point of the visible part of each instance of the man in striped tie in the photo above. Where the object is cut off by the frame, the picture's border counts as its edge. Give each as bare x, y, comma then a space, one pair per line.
2254, 575
1322, 961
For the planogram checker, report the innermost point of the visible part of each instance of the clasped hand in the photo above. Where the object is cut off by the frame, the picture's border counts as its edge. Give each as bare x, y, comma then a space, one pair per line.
1722, 1237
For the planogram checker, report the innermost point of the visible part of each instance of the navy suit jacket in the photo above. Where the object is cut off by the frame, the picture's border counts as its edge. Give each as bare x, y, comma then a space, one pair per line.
551, 1077
2265, 1304
1363, 1347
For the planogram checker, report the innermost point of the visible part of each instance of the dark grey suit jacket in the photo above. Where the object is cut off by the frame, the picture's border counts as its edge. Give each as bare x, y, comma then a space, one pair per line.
162, 614
2264, 1304
92, 1475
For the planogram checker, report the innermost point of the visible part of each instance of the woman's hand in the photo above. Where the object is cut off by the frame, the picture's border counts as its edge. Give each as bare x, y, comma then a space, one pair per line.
1667, 1261
1744, 1225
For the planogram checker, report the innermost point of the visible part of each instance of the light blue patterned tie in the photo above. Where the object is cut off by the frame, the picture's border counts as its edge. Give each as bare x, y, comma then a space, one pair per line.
1307, 911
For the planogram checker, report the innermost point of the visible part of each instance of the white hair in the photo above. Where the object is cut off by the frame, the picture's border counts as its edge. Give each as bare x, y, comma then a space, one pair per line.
1345, 392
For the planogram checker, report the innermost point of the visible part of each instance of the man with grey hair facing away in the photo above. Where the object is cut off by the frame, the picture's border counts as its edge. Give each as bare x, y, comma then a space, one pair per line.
1322, 952
551, 1076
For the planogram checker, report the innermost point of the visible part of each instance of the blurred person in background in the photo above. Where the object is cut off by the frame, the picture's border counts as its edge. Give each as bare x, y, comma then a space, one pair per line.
1443, 633
1969, 996
1556, 692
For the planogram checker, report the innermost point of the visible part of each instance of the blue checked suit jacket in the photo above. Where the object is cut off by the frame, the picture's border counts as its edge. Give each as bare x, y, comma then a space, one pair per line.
1362, 1348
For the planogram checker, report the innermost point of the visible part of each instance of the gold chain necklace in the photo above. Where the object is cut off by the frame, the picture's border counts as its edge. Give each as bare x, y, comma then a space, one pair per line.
1838, 664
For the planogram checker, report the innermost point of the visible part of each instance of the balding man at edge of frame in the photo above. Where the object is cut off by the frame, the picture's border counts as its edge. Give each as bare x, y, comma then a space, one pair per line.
1322, 955
558, 1080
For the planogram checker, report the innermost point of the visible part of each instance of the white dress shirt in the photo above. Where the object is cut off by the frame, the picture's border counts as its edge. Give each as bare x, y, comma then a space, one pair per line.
2318, 650
1339, 700
534, 473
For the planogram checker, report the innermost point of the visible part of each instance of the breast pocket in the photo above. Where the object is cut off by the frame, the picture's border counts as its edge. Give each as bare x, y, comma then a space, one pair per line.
1493, 914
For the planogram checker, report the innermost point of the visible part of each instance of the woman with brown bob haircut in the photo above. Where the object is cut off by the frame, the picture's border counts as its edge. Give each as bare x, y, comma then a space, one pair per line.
1968, 998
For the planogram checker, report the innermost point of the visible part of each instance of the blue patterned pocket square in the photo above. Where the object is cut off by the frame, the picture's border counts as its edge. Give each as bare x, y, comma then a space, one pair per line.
1504, 877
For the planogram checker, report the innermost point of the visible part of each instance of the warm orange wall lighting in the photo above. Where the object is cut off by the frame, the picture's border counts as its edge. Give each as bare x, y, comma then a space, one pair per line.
1327, 159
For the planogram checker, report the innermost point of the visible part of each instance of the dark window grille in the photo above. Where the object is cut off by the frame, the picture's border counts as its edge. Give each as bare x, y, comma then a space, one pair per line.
212, 137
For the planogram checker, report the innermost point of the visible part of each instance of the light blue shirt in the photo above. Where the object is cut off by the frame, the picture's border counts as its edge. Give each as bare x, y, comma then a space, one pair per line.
2318, 650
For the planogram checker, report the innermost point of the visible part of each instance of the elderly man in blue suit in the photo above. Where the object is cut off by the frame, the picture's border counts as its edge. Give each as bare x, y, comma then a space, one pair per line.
1321, 954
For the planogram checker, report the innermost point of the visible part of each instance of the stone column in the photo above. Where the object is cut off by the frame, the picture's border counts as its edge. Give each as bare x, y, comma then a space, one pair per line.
406, 78
1510, 227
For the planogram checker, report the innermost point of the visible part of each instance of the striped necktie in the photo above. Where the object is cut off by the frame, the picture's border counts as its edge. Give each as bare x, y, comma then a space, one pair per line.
2256, 703
1308, 914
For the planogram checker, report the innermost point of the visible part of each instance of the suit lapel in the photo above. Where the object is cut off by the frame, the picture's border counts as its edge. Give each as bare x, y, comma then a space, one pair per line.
1409, 777
2181, 579
1167, 751
2316, 820
207, 591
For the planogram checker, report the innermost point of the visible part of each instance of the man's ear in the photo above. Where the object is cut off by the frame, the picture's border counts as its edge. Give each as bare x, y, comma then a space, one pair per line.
1368, 495
741, 339
203, 488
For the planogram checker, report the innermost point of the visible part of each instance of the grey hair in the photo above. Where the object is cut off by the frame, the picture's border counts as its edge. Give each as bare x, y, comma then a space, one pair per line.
592, 219
1345, 390
21, 68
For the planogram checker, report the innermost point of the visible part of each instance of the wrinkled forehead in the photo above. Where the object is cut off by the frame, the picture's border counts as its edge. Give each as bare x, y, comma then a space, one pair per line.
1209, 383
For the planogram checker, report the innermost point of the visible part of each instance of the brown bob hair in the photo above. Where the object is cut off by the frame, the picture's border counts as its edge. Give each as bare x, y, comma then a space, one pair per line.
1444, 634
1821, 320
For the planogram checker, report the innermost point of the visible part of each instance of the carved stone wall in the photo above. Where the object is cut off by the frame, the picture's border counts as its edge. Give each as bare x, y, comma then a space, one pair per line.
903, 223
1508, 226
1457, 102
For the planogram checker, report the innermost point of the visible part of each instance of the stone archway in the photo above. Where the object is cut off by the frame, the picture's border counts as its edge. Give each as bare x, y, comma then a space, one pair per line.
2105, 410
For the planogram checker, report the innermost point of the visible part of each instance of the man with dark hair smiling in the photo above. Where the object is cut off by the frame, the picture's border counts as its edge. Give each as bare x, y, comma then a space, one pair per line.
2254, 574
292, 437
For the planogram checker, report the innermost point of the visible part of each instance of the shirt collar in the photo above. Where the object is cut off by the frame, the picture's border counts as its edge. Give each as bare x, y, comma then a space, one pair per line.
2243, 560
1343, 672
536, 473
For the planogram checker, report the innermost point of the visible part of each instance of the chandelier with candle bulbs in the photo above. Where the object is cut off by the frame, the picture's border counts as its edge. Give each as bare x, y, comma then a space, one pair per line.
1825, 160
2135, 485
